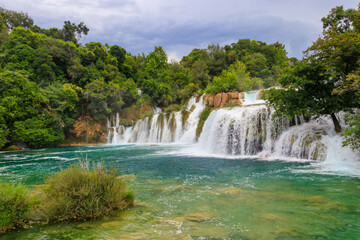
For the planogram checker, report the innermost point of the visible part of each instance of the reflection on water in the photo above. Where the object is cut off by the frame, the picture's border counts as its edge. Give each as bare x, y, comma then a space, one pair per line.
193, 197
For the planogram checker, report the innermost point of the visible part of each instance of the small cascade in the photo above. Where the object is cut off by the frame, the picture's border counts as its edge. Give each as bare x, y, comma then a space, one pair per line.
251, 98
115, 138
116, 132
169, 127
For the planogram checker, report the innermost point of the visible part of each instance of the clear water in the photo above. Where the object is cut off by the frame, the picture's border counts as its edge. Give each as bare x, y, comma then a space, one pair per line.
231, 198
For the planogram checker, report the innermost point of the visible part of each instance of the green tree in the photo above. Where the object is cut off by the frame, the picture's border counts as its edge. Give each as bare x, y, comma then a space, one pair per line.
236, 78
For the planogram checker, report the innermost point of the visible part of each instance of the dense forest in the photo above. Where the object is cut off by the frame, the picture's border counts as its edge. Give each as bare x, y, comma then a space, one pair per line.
49, 82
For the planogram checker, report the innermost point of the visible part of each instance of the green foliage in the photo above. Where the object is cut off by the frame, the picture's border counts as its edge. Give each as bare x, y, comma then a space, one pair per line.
12, 19
36, 132
312, 86
80, 193
173, 108
351, 134
15, 205
234, 79
4, 131
47, 77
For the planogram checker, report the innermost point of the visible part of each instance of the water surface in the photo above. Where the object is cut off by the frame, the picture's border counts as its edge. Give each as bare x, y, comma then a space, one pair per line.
182, 196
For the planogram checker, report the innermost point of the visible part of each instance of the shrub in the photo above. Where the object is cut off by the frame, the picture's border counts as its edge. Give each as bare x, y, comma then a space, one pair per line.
173, 108
15, 204
81, 193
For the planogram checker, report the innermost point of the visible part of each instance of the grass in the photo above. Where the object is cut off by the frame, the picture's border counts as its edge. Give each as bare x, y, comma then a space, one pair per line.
77, 193
80, 193
15, 205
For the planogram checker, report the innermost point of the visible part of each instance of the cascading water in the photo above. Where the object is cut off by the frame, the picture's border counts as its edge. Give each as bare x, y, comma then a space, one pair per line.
169, 127
250, 130
251, 98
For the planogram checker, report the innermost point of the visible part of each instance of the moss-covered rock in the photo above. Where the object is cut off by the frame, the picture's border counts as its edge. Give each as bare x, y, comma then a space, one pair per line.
202, 119
13, 148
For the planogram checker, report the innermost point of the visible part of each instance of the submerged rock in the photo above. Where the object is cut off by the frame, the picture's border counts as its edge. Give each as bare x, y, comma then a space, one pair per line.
112, 224
85, 225
232, 191
323, 203
127, 177
200, 217
135, 236
172, 188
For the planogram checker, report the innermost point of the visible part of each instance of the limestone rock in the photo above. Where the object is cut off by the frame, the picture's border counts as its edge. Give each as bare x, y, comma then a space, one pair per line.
233, 191
135, 236
200, 217
221, 99
127, 177
241, 95
13, 148
209, 99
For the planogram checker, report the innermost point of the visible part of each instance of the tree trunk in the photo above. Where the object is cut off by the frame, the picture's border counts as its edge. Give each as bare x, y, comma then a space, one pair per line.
336, 123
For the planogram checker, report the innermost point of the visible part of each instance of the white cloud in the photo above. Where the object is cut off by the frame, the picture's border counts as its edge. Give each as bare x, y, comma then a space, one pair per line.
180, 26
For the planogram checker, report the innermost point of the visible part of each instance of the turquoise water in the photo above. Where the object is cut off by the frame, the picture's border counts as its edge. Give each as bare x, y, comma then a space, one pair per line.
183, 196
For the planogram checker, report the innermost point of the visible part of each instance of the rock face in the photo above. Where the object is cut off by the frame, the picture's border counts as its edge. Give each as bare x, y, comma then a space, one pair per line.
86, 128
131, 114
221, 99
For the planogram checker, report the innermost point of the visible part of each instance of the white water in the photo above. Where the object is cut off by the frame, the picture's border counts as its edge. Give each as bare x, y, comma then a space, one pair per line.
163, 127
252, 98
250, 131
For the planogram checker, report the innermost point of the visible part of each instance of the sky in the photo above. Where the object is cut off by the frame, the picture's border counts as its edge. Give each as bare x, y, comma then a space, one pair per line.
179, 26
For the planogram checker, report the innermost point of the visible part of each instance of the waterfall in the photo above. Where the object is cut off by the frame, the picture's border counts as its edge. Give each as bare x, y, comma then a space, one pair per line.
170, 127
251, 98
241, 131
249, 130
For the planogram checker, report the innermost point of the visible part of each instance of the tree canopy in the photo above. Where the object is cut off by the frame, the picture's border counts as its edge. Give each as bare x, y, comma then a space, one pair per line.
49, 81
324, 81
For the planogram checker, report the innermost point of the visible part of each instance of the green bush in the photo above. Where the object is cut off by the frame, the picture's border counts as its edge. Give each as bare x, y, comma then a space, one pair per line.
173, 108
81, 193
15, 204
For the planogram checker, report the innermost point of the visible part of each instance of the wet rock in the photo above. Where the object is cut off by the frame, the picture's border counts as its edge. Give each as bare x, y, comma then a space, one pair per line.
287, 233
241, 95
221, 99
323, 203
154, 145
173, 220
85, 225
142, 205
209, 99
135, 236
127, 177
208, 232
154, 181
233, 191
13, 148
200, 217
271, 217
113, 224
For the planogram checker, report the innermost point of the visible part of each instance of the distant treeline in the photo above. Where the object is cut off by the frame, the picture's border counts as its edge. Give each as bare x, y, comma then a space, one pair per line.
48, 80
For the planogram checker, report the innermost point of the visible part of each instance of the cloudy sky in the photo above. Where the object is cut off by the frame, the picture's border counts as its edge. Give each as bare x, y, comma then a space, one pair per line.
182, 25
